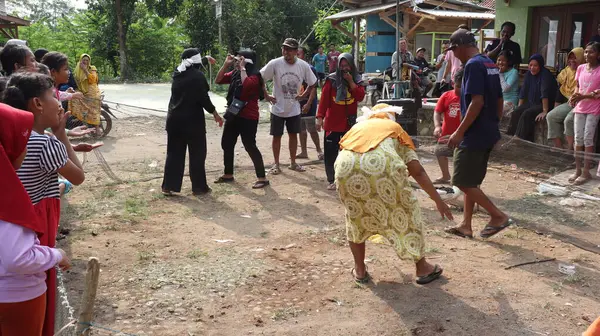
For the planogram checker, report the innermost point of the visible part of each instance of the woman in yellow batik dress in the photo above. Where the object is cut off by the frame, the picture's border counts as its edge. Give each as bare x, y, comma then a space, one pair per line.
372, 174
87, 109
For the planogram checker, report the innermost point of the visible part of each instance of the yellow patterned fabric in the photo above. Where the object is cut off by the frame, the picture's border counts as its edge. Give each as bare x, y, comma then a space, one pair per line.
88, 109
379, 199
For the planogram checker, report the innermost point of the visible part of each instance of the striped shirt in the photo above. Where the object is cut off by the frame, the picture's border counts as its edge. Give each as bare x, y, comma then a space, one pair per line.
39, 171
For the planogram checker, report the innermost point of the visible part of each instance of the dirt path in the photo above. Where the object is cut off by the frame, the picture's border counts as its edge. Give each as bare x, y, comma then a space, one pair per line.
286, 270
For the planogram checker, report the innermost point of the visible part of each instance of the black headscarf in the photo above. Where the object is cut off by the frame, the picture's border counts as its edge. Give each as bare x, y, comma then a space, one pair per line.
542, 85
337, 78
252, 69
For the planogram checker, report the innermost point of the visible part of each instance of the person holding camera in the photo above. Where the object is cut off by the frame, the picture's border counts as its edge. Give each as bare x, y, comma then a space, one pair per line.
342, 92
241, 118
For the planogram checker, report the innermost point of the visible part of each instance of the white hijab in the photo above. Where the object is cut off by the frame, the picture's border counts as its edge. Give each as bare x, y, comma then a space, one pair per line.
188, 62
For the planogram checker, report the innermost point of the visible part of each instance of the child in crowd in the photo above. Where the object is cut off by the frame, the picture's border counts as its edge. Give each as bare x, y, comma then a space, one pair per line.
47, 156
58, 64
17, 57
448, 109
23, 261
586, 111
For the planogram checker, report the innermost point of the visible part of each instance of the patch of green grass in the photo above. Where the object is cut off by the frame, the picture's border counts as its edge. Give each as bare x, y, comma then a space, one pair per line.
573, 279
285, 313
337, 241
145, 255
557, 287
136, 207
579, 258
195, 254
432, 250
356, 285
513, 234
438, 233
158, 196
108, 193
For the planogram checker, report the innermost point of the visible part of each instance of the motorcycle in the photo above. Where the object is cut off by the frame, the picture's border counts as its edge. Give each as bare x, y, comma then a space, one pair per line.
106, 120
375, 86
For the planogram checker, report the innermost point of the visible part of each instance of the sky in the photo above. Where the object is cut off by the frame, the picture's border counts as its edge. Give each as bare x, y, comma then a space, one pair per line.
79, 4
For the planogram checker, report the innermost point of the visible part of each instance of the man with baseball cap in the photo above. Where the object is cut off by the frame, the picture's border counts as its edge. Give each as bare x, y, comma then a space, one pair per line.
481, 110
288, 73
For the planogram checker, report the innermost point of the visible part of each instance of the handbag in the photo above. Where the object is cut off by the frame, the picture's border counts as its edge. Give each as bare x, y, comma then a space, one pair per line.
235, 107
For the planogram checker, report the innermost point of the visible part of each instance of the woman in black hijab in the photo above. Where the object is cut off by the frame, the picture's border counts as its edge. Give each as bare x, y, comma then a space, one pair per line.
186, 125
245, 89
536, 98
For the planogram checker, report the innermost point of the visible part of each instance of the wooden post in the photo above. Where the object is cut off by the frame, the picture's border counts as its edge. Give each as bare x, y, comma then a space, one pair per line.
357, 41
86, 309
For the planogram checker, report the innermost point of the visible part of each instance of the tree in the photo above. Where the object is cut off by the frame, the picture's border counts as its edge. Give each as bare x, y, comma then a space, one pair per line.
41, 10
327, 34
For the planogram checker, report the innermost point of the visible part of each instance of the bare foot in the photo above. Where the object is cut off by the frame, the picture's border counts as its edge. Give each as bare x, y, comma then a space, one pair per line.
498, 221
424, 268
302, 156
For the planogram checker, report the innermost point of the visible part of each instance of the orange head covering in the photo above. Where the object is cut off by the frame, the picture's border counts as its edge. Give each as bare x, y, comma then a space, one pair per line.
373, 129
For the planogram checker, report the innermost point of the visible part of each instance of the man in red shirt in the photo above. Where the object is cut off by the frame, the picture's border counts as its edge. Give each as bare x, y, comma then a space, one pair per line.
341, 94
332, 58
448, 109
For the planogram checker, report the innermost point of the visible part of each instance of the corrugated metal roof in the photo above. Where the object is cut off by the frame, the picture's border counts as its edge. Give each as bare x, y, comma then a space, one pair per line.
458, 14
349, 13
471, 4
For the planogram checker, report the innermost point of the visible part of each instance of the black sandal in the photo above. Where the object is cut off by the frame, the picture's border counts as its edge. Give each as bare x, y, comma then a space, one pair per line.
437, 272
455, 231
224, 180
361, 281
260, 184
489, 231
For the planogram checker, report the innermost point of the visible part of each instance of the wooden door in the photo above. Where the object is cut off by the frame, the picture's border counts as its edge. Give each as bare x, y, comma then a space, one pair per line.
563, 27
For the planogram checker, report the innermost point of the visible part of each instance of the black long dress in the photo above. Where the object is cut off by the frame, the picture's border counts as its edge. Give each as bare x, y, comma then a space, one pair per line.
186, 130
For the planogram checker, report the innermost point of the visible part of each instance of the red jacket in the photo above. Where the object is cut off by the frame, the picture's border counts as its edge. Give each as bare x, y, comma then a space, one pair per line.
336, 113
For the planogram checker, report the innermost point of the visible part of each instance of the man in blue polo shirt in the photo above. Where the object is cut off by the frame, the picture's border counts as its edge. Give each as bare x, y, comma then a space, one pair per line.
481, 110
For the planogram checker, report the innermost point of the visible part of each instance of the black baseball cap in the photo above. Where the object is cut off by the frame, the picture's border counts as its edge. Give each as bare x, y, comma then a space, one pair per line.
291, 43
462, 37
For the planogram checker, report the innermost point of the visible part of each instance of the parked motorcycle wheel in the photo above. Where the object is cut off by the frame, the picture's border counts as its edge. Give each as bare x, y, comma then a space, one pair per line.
105, 123
375, 97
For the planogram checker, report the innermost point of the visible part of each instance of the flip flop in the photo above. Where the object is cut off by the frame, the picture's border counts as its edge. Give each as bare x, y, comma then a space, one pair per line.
167, 193
297, 167
572, 178
331, 186
441, 181
581, 180
321, 156
361, 281
260, 184
493, 230
437, 272
222, 179
456, 232
275, 170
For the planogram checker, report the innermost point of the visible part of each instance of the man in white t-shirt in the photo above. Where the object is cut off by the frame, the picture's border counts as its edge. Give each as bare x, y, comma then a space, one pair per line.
288, 73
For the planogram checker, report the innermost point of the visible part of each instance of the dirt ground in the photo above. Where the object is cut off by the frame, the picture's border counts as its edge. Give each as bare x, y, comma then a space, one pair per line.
275, 261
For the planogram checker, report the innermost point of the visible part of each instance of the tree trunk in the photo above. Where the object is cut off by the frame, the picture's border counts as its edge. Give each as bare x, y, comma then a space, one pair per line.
122, 41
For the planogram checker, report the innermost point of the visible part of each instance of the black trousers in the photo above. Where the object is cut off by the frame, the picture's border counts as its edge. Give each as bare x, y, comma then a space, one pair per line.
331, 149
246, 128
180, 139
522, 121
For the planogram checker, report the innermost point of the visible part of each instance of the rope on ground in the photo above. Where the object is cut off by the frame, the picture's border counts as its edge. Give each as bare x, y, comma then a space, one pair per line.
105, 167
97, 326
